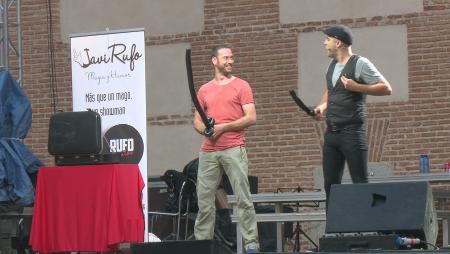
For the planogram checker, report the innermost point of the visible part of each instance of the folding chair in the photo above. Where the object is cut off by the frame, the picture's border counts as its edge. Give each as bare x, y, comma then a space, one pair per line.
188, 187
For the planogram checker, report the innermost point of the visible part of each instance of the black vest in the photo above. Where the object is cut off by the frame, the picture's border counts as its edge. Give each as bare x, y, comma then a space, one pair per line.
345, 107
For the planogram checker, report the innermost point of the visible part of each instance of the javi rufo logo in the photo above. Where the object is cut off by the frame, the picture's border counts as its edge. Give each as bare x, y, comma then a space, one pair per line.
117, 51
125, 140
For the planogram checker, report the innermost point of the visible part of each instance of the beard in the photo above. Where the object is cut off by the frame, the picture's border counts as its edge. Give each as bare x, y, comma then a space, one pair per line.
225, 69
331, 53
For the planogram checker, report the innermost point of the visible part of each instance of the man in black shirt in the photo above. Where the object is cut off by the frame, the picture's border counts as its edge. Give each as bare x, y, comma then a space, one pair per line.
349, 79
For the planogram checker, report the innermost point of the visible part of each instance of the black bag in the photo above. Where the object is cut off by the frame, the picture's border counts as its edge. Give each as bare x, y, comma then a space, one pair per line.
191, 170
75, 133
174, 181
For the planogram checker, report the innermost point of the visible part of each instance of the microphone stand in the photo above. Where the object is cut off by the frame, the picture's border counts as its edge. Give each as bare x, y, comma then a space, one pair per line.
298, 229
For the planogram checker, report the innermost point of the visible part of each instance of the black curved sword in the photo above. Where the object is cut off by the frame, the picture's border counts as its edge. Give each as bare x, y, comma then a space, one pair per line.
302, 105
207, 121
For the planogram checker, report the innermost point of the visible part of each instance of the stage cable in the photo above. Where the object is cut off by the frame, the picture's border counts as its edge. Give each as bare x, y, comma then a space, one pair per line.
432, 245
51, 56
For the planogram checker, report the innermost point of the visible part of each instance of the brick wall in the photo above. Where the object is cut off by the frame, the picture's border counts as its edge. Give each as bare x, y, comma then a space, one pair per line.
284, 146
36, 56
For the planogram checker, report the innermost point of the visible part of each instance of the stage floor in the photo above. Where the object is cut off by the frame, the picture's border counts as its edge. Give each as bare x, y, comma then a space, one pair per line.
374, 251
216, 247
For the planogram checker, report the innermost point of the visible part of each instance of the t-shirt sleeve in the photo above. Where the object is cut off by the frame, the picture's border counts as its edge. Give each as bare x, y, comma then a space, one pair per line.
367, 72
246, 96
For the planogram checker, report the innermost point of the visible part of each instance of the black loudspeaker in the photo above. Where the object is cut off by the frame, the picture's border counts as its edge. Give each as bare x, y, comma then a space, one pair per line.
405, 209
75, 133
181, 247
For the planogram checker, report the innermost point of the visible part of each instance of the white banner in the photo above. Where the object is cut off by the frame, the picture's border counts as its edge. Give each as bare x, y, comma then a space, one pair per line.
108, 76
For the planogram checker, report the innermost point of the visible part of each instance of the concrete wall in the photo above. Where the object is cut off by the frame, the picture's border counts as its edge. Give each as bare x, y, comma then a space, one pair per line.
156, 16
167, 85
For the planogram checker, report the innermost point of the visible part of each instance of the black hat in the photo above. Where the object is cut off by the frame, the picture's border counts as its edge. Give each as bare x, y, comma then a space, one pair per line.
340, 32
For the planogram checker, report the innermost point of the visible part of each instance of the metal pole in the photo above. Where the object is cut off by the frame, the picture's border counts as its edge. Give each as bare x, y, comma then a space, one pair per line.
3, 23
19, 41
5, 35
5, 40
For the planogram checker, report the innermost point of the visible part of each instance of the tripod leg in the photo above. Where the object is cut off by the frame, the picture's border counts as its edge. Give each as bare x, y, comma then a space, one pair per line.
296, 236
296, 246
309, 239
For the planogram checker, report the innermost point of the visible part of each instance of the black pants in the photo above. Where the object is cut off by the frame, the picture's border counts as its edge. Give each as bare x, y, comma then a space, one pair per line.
340, 146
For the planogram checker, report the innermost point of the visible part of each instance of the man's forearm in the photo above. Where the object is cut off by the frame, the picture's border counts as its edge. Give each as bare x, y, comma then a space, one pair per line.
240, 124
323, 100
381, 88
199, 126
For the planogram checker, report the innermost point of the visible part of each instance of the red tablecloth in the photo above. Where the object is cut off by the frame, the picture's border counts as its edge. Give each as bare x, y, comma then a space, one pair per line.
87, 208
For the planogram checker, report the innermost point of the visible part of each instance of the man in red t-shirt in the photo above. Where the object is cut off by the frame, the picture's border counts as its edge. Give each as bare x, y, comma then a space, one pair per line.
229, 101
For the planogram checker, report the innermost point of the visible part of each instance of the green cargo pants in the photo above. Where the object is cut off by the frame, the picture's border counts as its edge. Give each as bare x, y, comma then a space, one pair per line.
234, 163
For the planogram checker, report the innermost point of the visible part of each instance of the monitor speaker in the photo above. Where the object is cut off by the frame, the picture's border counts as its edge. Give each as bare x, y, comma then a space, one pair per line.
403, 208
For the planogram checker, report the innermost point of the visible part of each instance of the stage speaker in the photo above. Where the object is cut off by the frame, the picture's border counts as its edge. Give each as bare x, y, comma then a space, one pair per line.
405, 209
181, 247
75, 133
